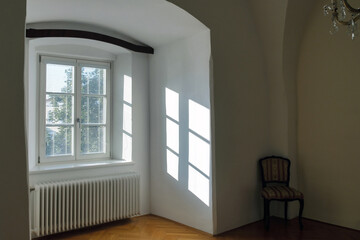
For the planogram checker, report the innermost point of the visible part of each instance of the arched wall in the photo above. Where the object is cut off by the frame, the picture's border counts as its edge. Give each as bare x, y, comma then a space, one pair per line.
242, 138
181, 176
240, 98
255, 47
328, 123
181, 63
281, 26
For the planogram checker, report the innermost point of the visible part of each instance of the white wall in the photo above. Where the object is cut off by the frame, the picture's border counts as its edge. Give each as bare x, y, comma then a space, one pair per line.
328, 124
135, 66
141, 131
271, 29
122, 68
14, 217
183, 67
280, 25
241, 117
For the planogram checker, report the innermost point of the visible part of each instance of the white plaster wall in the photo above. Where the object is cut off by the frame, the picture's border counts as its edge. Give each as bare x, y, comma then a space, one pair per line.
328, 122
183, 67
271, 29
122, 67
241, 108
141, 131
281, 25
14, 217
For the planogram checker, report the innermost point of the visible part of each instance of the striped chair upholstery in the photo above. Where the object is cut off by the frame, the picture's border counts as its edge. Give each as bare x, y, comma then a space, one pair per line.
281, 192
275, 170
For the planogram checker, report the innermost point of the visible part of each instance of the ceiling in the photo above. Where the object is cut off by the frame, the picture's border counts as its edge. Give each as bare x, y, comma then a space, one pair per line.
150, 22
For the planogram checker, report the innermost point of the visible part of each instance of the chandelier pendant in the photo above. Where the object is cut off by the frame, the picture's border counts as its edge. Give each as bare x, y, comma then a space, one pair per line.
342, 13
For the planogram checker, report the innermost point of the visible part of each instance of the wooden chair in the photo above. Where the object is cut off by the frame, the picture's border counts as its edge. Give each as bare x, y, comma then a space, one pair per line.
275, 172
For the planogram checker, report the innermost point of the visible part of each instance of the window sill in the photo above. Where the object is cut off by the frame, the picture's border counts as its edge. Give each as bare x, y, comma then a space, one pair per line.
50, 168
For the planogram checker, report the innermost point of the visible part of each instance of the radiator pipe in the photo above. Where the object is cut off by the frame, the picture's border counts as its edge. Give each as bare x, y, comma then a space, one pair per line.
32, 189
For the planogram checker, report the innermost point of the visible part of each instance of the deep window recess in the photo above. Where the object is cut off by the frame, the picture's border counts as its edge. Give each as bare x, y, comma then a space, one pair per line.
74, 110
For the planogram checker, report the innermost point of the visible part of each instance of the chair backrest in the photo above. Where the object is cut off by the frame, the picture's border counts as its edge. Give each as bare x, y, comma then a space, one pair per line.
275, 169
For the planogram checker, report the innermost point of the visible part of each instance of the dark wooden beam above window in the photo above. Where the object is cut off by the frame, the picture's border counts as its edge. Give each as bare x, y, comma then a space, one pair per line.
42, 33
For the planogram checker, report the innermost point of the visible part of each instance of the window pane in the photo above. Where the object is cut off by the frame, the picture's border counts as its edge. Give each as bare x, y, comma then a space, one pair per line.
59, 141
92, 139
92, 110
93, 80
59, 108
59, 78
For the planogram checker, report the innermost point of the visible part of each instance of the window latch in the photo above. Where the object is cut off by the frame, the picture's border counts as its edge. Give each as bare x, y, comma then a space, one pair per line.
78, 121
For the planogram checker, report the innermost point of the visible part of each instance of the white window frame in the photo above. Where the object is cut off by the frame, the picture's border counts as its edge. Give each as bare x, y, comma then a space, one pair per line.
77, 156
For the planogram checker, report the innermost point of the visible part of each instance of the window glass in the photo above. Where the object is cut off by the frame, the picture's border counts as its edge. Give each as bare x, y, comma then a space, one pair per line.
59, 78
93, 80
59, 141
92, 139
59, 108
93, 110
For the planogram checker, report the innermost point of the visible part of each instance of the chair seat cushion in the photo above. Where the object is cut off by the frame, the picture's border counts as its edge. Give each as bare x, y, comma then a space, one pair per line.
281, 193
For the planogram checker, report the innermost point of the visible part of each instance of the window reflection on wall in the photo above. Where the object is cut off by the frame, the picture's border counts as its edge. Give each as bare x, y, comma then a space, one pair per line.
127, 119
172, 133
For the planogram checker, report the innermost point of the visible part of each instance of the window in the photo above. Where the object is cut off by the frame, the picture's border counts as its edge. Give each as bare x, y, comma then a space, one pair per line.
74, 109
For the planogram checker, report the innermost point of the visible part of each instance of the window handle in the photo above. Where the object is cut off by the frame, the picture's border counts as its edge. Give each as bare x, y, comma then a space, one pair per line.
78, 121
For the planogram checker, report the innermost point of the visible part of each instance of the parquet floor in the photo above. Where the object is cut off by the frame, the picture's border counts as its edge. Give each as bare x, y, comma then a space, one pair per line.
151, 227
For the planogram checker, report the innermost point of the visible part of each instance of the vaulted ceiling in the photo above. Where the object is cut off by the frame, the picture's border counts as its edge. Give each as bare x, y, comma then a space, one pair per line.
151, 22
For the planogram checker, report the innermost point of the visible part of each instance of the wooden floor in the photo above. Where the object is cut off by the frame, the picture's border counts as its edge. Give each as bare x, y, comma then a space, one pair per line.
153, 227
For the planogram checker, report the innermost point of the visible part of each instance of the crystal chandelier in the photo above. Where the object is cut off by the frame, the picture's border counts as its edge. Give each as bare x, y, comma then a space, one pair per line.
343, 13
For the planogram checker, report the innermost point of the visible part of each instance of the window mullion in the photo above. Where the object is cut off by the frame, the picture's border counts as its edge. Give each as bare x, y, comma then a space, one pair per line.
77, 139
42, 122
107, 112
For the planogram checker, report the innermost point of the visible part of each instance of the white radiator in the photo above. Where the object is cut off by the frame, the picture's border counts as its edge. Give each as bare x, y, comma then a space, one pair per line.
71, 204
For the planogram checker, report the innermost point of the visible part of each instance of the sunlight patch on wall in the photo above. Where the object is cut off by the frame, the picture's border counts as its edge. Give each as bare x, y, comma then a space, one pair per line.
172, 104
172, 164
127, 89
199, 151
127, 119
127, 147
199, 185
172, 133
199, 119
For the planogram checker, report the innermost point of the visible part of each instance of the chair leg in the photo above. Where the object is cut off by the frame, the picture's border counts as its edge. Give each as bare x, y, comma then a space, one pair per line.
300, 213
266, 213
286, 211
